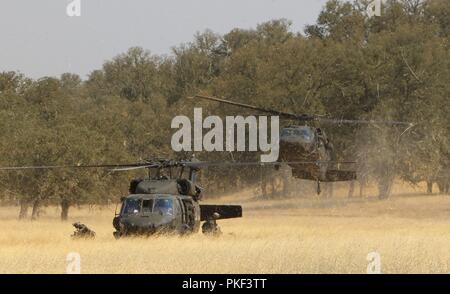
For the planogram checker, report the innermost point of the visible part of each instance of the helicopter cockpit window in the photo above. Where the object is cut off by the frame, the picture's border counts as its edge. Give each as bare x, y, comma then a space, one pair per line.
305, 134
164, 206
147, 205
132, 206
287, 132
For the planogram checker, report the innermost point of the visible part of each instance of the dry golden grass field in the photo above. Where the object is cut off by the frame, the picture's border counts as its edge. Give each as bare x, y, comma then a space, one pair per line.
410, 231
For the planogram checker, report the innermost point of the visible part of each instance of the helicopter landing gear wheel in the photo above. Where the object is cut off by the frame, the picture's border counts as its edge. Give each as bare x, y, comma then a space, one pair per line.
117, 235
211, 228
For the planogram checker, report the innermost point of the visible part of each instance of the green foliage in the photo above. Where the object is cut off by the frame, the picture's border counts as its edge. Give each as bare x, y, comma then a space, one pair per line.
395, 66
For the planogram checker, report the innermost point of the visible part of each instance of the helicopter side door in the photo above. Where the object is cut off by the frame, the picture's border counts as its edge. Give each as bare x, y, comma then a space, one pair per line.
189, 214
180, 212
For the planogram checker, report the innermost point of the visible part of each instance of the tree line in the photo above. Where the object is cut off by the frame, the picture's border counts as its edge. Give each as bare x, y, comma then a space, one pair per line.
394, 67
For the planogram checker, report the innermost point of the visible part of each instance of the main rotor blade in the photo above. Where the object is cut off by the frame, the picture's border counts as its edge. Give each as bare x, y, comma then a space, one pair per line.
256, 163
301, 117
362, 121
168, 164
131, 168
38, 167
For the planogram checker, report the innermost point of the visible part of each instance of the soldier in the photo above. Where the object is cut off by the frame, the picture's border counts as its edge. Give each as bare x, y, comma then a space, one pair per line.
82, 231
210, 227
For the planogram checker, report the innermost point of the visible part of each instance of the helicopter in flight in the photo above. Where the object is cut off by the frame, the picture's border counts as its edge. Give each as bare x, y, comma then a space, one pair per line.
304, 143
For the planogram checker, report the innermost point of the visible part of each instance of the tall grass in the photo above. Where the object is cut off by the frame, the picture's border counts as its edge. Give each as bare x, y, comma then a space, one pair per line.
411, 233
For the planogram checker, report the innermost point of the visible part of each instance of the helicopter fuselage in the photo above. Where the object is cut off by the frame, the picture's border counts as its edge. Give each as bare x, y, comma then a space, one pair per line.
167, 206
157, 213
309, 145
304, 143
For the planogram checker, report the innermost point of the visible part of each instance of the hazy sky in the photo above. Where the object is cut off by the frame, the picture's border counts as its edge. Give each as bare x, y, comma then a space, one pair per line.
38, 38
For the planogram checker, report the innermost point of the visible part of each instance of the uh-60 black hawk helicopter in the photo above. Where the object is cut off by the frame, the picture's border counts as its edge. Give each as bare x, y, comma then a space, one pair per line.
307, 149
167, 201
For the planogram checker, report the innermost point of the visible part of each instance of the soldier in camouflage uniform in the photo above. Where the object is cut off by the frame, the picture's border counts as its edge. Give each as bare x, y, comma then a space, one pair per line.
82, 231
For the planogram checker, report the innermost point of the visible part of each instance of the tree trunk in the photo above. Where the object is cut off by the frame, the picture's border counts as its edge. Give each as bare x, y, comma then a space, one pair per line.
65, 204
361, 188
263, 183
23, 209
35, 210
329, 190
351, 189
443, 186
286, 186
384, 187
430, 187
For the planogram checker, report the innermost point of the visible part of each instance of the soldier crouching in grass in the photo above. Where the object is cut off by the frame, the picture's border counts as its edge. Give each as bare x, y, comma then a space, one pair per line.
82, 232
